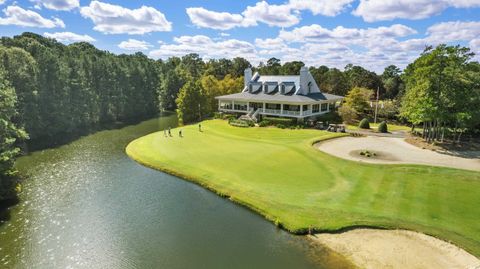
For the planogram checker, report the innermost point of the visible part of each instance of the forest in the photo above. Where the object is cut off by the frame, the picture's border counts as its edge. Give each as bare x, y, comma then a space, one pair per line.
51, 93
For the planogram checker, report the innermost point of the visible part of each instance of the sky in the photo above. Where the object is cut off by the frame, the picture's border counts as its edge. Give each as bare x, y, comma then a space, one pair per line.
369, 33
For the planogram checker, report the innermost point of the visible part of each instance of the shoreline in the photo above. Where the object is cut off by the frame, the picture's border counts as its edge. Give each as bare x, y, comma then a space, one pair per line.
396, 249
333, 241
227, 193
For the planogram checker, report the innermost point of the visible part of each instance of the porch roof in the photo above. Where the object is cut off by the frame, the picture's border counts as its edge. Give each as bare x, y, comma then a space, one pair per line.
280, 98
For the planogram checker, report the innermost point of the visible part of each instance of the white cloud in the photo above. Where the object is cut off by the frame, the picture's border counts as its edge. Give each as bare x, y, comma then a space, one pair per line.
270, 43
475, 45
224, 34
206, 47
114, 19
284, 15
454, 31
15, 15
133, 44
69, 37
272, 15
316, 33
2, 2
379, 10
215, 20
57, 4
321, 7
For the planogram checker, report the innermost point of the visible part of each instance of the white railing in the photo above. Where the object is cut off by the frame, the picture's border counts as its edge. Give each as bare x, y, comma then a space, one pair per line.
272, 111
232, 110
292, 113
254, 116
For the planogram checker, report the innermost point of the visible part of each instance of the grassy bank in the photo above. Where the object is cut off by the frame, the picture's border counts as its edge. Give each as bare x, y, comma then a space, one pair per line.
278, 173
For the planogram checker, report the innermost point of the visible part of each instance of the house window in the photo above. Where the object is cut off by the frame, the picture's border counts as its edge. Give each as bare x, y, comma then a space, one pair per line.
315, 108
305, 107
324, 107
240, 106
310, 87
226, 105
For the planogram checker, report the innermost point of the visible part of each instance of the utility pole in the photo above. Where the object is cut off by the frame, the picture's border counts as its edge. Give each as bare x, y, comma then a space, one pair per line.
376, 106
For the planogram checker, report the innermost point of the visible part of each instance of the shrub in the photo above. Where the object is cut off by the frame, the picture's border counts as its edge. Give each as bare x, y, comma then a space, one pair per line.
281, 126
382, 127
264, 123
364, 124
231, 118
218, 115
283, 121
240, 123
227, 116
331, 117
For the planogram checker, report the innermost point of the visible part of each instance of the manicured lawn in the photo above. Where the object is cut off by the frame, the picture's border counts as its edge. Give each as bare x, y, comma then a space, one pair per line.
374, 126
278, 173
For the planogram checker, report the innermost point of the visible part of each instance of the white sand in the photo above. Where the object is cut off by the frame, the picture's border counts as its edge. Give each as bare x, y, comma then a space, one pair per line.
371, 248
397, 149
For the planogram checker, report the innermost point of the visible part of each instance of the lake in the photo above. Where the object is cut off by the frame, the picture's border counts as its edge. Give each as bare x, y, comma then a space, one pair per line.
87, 205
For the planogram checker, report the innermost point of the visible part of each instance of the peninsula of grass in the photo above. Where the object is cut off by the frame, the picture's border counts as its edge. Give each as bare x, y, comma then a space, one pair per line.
279, 174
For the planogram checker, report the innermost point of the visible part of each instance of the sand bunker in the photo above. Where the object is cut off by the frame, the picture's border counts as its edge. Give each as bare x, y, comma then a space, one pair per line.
372, 248
393, 151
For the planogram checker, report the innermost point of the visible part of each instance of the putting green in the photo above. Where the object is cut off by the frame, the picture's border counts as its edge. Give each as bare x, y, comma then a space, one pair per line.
278, 173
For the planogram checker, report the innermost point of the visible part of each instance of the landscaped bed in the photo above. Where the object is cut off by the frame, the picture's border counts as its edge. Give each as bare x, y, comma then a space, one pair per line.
278, 173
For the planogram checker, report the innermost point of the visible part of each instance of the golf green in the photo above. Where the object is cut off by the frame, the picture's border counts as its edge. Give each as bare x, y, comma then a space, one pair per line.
278, 173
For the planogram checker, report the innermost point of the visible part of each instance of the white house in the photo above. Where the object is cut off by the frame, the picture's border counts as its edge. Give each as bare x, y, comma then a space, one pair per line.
283, 96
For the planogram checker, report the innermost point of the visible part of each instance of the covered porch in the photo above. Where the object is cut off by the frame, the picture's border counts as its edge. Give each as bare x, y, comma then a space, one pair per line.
276, 109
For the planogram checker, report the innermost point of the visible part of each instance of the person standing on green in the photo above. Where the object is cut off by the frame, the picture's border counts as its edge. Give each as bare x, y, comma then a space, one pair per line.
200, 127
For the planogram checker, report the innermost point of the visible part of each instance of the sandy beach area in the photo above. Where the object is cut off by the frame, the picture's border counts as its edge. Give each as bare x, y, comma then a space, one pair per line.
374, 248
390, 150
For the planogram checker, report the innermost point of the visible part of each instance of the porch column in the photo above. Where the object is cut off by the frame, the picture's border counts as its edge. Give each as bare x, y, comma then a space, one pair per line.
281, 109
248, 106
328, 107
263, 108
233, 105
219, 102
301, 110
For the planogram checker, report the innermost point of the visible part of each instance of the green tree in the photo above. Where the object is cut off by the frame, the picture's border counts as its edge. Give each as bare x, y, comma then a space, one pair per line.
213, 87
191, 102
10, 135
356, 105
358, 76
334, 82
442, 89
392, 82
291, 68
239, 65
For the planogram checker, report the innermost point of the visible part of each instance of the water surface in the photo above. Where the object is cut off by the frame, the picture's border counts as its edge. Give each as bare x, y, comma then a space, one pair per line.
87, 205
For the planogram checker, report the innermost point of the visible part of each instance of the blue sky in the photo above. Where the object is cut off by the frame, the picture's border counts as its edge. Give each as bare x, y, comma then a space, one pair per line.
371, 33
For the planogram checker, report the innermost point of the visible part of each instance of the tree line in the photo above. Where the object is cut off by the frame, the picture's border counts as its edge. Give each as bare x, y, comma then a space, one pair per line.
51, 92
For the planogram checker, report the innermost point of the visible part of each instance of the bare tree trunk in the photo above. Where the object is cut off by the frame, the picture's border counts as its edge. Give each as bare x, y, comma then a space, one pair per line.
424, 134
455, 132
443, 132
429, 128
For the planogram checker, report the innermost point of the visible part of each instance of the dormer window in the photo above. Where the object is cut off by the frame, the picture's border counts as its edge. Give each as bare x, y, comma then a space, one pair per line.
309, 87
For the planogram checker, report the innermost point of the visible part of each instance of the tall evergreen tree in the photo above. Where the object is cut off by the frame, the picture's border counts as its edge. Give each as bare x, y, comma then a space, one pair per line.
10, 135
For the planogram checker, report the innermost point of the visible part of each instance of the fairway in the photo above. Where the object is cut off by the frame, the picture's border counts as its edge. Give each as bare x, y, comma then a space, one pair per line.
278, 173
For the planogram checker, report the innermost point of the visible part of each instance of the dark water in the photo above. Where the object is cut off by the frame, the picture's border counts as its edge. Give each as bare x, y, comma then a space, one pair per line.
87, 205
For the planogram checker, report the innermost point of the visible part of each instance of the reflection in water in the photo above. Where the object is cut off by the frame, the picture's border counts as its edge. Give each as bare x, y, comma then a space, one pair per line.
87, 205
